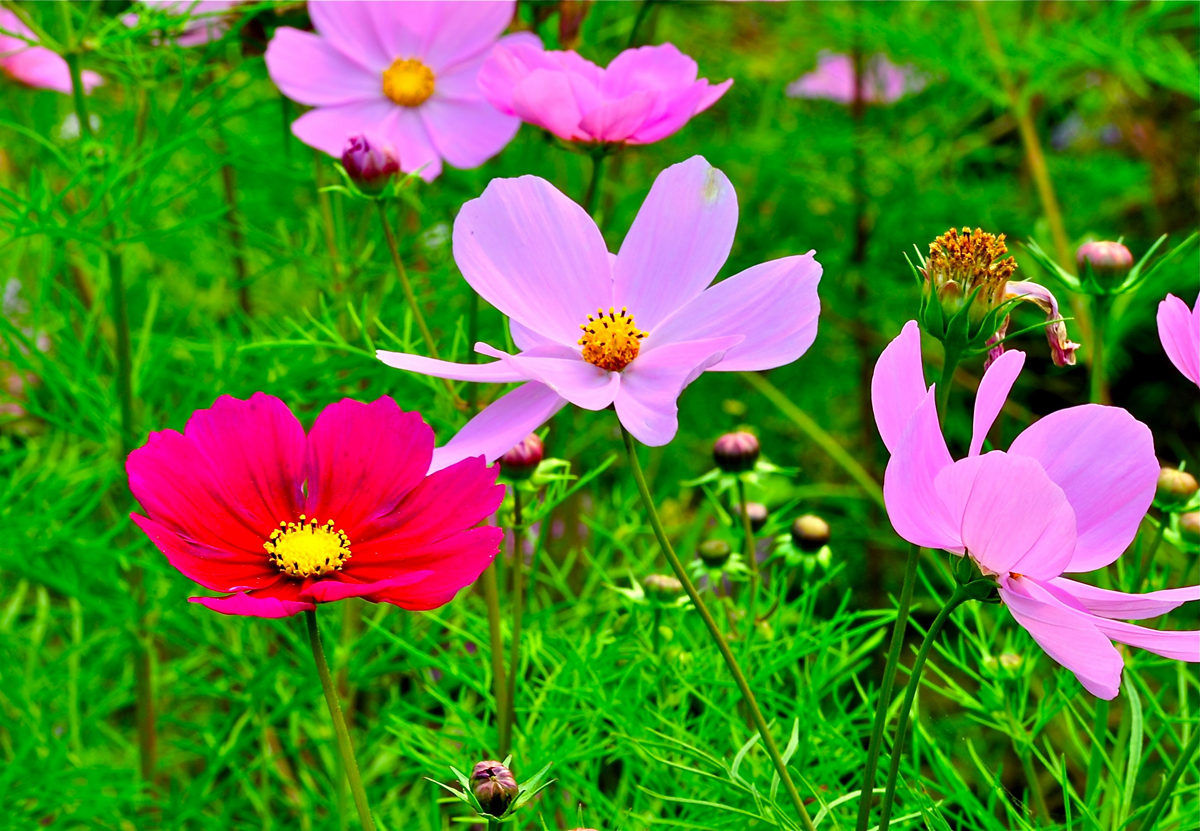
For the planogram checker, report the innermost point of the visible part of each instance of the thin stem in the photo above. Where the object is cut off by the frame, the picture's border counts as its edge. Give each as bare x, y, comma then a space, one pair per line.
593, 188
229, 182
518, 612
1168, 786
493, 825
642, 11
910, 692
402, 274
345, 748
867, 797
1039, 798
1098, 380
472, 355
735, 670
1148, 555
327, 225
491, 596
750, 556
949, 365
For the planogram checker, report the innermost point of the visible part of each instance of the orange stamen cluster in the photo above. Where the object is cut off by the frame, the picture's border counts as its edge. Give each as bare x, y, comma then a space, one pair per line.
960, 263
307, 548
408, 82
610, 339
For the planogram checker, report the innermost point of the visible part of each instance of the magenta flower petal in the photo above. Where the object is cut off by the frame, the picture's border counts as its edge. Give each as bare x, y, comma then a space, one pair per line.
673, 112
456, 561
501, 425
678, 242
659, 67
914, 506
248, 605
776, 300
1103, 459
496, 372
326, 591
490, 130
1179, 331
213, 568
546, 98
615, 121
994, 388
457, 32
898, 387
1123, 605
328, 128
309, 70
535, 255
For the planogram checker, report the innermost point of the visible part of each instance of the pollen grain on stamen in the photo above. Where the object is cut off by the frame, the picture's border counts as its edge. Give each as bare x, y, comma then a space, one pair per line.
306, 548
611, 340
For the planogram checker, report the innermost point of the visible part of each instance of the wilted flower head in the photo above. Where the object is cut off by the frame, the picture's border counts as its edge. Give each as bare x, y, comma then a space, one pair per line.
494, 786
369, 164
35, 65
1179, 331
523, 459
736, 452
834, 78
1105, 259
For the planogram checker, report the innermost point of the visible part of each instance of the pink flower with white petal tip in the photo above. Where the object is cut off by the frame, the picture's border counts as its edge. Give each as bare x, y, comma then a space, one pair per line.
630, 330
36, 66
1179, 331
1067, 496
402, 71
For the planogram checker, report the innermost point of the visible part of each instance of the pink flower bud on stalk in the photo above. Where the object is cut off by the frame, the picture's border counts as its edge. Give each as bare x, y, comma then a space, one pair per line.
736, 452
758, 515
523, 459
1175, 487
369, 164
1107, 260
810, 533
495, 787
1189, 526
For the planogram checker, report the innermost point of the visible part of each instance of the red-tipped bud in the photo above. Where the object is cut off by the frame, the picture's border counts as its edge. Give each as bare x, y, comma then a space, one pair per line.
714, 553
369, 164
1189, 526
1107, 259
1175, 487
523, 459
494, 787
736, 452
810, 533
758, 515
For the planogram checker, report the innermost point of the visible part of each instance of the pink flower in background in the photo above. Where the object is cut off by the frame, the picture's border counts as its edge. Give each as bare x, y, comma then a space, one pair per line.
36, 66
1179, 331
644, 94
243, 501
1067, 496
206, 21
631, 329
883, 81
402, 72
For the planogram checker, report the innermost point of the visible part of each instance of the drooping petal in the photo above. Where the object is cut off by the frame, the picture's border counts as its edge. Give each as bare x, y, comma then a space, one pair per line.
1103, 459
535, 255
494, 372
1062, 349
327, 591
997, 381
467, 132
254, 605
501, 425
898, 386
1179, 331
565, 372
1123, 605
329, 128
678, 242
310, 71
1178, 645
1012, 517
220, 570
676, 108
914, 506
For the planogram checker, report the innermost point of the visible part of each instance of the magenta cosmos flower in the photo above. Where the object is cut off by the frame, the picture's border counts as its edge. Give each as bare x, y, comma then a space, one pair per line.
631, 329
883, 81
402, 71
243, 501
644, 94
36, 66
206, 20
1067, 496
1179, 331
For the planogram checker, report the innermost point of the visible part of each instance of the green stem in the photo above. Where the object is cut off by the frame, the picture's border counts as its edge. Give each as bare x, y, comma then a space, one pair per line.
402, 274
518, 612
1164, 794
867, 796
1098, 380
472, 355
642, 11
722, 645
491, 596
345, 748
910, 692
1148, 555
749, 555
593, 188
1039, 798
949, 366
1096, 762
236, 242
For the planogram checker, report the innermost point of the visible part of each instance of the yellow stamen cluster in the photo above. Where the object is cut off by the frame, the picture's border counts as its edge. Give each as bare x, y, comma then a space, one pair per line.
408, 82
959, 263
610, 339
307, 548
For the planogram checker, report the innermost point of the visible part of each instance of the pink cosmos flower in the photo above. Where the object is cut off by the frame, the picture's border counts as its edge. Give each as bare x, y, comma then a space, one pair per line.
644, 94
243, 501
1179, 331
649, 325
883, 83
404, 72
206, 21
1067, 496
36, 66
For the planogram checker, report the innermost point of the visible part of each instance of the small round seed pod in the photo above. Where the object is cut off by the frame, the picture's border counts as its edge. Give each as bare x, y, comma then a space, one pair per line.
714, 553
810, 533
736, 452
1175, 487
662, 588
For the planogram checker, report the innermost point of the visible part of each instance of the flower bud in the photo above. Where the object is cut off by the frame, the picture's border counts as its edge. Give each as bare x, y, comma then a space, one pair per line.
1106, 259
736, 452
1189, 526
714, 553
810, 533
522, 460
494, 787
758, 515
369, 164
1011, 661
1175, 487
662, 588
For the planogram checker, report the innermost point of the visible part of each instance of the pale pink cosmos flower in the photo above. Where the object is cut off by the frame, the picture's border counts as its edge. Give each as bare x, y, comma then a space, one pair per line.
1179, 331
883, 81
405, 72
643, 96
36, 66
1067, 496
629, 330
205, 22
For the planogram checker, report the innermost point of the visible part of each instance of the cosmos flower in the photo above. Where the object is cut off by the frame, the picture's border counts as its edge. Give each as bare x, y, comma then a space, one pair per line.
631, 329
1179, 331
205, 19
644, 94
402, 72
1067, 496
243, 501
883, 81
36, 66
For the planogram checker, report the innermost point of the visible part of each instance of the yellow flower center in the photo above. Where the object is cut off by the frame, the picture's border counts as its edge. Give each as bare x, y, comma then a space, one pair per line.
307, 549
610, 340
408, 82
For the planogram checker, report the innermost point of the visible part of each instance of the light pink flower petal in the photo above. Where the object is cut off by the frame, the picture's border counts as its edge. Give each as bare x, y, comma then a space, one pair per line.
1068, 636
503, 69
1123, 605
646, 402
363, 32
1179, 331
616, 121
328, 128
447, 34
250, 605
1178, 645
678, 242
502, 424
547, 98
535, 255
308, 70
466, 132
564, 371
774, 304
1062, 349
329, 590
526, 338
467, 78
898, 386
993, 392
36, 66
1103, 459
676, 108
220, 570
659, 67
914, 507
494, 372
1012, 517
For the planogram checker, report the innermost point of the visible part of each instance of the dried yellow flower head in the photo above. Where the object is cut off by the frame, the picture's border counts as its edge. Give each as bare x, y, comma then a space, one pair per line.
963, 262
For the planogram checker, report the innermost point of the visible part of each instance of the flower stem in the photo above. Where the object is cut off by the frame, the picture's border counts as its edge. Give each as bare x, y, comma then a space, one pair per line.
749, 555
949, 366
1164, 793
722, 645
910, 692
593, 188
345, 748
518, 613
491, 596
1097, 378
402, 274
642, 11
236, 242
867, 798
1039, 799
1148, 555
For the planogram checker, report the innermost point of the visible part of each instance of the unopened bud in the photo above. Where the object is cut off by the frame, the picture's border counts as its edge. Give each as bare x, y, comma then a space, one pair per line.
757, 513
714, 553
369, 164
1189, 526
494, 787
810, 533
523, 459
736, 452
662, 587
1175, 487
1107, 259
1011, 661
